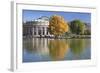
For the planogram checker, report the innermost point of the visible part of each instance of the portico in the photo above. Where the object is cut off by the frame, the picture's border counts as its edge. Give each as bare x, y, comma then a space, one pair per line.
40, 31
37, 28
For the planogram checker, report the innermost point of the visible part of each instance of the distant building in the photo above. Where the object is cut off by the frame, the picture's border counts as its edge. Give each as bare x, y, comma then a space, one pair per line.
37, 27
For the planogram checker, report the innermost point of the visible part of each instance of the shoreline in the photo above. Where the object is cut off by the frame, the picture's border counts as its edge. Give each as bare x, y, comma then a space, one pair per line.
69, 37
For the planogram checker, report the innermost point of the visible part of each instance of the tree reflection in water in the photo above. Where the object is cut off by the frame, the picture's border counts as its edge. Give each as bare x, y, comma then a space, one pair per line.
78, 46
58, 48
43, 49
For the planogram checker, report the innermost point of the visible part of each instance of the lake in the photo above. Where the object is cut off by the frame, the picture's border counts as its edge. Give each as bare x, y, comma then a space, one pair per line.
43, 49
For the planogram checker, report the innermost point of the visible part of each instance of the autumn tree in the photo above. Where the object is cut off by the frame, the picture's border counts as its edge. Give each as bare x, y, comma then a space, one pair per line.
77, 27
57, 25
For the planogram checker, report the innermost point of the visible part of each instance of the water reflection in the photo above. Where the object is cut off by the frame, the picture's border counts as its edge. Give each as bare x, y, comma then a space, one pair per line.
78, 46
41, 49
36, 45
58, 48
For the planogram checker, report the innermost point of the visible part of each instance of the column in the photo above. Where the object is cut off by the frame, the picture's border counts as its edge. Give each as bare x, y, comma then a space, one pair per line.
33, 31
36, 30
44, 30
47, 31
41, 30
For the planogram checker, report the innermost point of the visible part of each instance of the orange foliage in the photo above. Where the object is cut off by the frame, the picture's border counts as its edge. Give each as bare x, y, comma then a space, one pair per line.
57, 25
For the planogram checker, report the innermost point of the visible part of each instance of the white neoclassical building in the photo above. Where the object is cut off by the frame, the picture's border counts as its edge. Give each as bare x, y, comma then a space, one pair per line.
37, 27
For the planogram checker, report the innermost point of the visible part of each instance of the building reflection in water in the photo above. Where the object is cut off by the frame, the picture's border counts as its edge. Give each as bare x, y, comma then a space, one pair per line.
57, 49
36, 45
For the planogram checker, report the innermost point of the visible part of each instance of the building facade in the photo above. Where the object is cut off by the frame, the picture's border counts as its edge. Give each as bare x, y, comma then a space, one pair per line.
37, 27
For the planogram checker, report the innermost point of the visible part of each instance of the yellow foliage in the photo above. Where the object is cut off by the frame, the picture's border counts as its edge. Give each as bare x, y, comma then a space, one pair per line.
58, 49
57, 25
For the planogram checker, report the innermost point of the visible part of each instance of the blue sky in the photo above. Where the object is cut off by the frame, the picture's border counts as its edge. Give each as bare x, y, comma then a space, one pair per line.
29, 15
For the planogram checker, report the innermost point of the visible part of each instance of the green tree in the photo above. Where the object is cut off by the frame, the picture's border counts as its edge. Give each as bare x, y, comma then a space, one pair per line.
57, 25
77, 27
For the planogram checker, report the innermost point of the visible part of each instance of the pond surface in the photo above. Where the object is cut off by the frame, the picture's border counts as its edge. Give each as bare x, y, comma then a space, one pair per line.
42, 49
